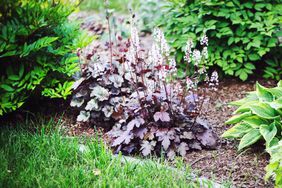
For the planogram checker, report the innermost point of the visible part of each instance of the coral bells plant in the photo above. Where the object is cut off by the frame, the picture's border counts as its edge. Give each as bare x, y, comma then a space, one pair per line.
135, 97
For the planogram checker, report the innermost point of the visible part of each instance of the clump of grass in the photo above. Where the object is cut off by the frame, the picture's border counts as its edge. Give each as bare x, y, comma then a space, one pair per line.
47, 158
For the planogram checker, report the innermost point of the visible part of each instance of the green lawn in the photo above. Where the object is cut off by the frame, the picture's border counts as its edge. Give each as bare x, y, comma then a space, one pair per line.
45, 158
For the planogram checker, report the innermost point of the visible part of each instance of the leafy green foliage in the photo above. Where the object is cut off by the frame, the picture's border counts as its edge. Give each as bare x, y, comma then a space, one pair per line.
37, 45
258, 116
241, 33
274, 169
148, 14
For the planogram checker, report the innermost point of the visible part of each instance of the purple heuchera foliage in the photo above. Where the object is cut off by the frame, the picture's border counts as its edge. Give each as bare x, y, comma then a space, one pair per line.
138, 100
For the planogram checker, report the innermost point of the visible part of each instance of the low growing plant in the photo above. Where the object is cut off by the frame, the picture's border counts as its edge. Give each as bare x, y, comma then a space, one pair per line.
37, 45
258, 117
274, 169
136, 97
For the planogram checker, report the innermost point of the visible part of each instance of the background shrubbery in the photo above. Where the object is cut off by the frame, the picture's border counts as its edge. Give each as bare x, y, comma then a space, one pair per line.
37, 45
243, 34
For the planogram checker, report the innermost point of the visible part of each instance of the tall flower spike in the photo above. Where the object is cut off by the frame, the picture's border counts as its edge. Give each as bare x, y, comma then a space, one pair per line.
204, 40
205, 53
160, 39
188, 50
196, 57
213, 82
172, 65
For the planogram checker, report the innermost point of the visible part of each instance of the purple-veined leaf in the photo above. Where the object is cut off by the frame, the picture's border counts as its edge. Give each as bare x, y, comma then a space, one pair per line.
83, 116
147, 147
108, 110
182, 148
171, 154
117, 80
100, 93
187, 135
162, 116
165, 137
136, 122
125, 137
77, 83
141, 132
77, 102
207, 138
92, 105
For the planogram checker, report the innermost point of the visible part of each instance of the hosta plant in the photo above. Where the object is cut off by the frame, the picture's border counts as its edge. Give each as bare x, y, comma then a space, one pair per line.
258, 117
274, 169
136, 97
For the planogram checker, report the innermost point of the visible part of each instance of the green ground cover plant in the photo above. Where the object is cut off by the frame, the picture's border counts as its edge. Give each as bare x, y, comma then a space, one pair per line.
258, 117
243, 34
37, 50
274, 169
37, 154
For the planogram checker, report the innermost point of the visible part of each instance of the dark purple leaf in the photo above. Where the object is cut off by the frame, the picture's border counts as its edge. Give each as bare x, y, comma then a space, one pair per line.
162, 116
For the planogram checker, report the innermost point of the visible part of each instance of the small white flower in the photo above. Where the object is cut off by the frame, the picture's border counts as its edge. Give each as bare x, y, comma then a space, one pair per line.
205, 53
197, 56
204, 40
189, 83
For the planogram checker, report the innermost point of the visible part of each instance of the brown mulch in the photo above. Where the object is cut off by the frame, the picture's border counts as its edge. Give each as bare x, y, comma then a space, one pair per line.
226, 164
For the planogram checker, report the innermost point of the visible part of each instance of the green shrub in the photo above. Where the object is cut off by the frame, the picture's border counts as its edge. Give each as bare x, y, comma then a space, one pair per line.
258, 116
241, 33
274, 169
37, 45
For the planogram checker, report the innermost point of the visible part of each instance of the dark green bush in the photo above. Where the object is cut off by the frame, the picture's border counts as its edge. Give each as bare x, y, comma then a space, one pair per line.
37, 50
242, 34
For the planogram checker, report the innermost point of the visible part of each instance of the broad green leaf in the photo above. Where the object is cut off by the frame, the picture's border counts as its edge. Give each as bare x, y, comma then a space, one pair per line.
268, 132
250, 138
252, 96
276, 91
238, 118
7, 87
245, 107
264, 110
279, 84
237, 131
263, 94
277, 104
255, 121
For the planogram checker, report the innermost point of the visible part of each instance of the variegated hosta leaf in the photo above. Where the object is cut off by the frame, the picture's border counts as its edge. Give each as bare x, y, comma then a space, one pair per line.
136, 122
117, 80
100, 93
92, 105
83, 116
147, 147
182, 148
77, 102
108, 110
